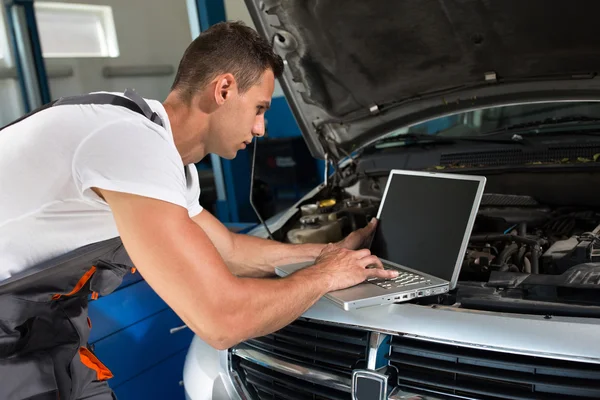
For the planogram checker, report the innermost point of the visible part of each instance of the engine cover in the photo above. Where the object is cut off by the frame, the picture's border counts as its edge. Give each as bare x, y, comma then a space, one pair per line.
565, 254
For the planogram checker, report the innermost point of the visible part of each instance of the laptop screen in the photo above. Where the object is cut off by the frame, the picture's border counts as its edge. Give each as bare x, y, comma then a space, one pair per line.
422, 222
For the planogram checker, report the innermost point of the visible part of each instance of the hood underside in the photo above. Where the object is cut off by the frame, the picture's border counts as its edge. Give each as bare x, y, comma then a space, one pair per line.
357, 69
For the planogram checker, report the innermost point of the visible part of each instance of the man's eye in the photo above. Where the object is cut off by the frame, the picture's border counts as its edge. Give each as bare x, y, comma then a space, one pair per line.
259, 110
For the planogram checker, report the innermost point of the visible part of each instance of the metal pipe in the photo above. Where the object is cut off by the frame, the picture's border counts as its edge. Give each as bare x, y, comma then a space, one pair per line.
36, 49
522, 229
13, 25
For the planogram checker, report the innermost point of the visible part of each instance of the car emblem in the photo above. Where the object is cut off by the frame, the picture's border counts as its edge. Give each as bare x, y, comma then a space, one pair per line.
369, 385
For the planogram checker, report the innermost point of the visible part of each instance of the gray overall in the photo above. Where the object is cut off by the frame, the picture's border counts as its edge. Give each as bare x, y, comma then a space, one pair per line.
44, 325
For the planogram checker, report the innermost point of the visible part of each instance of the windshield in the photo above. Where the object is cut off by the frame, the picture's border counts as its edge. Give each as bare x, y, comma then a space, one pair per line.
484, 121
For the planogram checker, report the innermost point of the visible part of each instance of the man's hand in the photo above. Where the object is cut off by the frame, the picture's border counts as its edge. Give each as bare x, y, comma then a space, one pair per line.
359, 239
343, 268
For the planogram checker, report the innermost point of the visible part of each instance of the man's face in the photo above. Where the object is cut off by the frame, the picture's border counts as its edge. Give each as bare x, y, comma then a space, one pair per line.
241, 117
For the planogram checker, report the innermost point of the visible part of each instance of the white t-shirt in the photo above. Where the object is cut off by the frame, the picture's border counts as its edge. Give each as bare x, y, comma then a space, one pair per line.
50, 161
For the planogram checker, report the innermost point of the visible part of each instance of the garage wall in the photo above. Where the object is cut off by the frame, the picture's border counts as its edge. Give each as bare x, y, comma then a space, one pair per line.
149, 33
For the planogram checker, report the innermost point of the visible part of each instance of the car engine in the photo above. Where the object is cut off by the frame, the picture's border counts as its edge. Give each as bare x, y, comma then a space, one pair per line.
516, 234
512, 233
331, 219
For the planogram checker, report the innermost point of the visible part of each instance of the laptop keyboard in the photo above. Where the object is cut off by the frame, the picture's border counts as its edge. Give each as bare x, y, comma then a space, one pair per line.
404, 279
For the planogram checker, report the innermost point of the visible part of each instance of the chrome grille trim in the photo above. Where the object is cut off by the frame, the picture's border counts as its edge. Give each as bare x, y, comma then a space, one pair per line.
309, 374
375, 341
503, 350
399, 394
238, 386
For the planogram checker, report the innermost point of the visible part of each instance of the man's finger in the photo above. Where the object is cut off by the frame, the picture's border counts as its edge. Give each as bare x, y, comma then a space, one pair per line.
367, 230
382, 273
373, 262
361, 254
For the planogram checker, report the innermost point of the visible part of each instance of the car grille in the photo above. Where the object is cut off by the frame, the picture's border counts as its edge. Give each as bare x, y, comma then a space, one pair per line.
441, 371
271, 385
333, 349
483, 374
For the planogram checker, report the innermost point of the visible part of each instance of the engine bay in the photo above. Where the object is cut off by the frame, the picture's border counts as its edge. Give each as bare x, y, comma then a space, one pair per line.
521, 250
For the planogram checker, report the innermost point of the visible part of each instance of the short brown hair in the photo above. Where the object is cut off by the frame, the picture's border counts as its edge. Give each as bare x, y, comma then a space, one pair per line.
226, 47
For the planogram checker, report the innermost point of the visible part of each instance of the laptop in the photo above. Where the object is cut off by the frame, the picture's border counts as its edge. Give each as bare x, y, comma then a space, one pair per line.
425, 221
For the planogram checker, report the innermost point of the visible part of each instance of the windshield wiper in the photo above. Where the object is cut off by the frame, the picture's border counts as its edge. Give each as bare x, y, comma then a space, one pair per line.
543, 124
411, 139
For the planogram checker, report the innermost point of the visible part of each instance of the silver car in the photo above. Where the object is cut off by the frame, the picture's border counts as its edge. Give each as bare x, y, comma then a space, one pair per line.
506, 89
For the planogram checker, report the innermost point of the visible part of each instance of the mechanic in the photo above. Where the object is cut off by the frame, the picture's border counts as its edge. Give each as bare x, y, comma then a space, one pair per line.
82, 171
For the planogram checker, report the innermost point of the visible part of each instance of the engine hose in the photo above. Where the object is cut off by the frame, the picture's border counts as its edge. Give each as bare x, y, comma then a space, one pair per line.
521, 255
507, 253
509, 268
526, 265
522, 252
535, 246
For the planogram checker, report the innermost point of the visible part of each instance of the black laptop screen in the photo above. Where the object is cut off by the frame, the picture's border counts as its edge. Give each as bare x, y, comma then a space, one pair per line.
423, 221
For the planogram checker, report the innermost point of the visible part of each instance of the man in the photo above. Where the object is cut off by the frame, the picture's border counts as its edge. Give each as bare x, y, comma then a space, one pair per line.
72, 175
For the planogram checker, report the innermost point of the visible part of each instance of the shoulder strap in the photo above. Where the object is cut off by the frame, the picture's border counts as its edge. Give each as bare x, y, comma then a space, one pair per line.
137, 99
132, 101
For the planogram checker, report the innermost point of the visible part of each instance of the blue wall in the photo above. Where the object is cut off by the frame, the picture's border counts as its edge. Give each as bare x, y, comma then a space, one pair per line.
281, 121
280, 124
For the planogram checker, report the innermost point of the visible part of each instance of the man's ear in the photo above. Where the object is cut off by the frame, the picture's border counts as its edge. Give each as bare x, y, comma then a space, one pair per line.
224, 88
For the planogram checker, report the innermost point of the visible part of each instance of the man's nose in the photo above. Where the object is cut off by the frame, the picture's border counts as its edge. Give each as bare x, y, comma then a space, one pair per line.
259, 126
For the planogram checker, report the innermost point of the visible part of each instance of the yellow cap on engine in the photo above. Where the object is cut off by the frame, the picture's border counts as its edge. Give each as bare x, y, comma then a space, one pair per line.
327, 203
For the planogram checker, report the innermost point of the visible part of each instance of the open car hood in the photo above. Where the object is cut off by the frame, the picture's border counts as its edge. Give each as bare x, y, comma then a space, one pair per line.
356, 70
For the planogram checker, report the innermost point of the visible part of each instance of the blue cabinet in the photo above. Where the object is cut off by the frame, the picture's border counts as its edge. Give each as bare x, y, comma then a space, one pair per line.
163, 381
123, 308
132, 335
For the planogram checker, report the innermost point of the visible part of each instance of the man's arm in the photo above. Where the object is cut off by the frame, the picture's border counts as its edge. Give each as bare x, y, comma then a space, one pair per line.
182, 265
251, 256
255, 257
